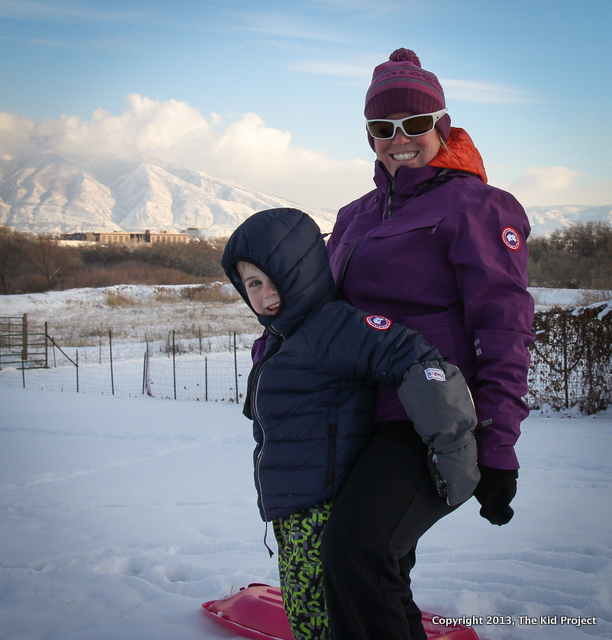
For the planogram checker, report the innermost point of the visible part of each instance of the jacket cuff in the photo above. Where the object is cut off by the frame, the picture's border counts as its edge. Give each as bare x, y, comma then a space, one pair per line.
492, 453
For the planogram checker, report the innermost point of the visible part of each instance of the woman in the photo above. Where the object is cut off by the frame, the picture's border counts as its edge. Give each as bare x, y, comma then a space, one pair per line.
437, 249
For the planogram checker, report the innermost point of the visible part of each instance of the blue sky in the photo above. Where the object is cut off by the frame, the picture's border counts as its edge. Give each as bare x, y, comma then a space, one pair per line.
270, 94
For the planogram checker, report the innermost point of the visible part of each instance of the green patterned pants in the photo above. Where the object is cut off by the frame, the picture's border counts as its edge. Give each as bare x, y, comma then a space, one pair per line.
301, 574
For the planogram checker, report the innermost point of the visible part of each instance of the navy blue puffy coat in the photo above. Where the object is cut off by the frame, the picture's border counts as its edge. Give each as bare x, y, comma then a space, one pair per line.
311, 396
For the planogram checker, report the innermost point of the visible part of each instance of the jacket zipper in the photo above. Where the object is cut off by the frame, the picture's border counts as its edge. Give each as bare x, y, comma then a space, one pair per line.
331, 456
420, 189
390, 194
386, 214
263, 429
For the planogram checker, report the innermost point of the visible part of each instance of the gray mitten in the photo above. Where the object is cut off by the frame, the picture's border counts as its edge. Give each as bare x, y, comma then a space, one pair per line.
438, 401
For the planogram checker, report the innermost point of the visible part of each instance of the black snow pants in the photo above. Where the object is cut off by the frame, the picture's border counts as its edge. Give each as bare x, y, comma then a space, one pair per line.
369, 544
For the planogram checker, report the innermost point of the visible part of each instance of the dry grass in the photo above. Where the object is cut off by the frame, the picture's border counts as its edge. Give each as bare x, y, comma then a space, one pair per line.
141, 314
118, 299
592, 296
148, 321
215, 292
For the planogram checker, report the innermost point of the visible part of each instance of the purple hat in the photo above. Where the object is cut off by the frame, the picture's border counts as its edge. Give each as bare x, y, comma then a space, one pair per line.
400, 85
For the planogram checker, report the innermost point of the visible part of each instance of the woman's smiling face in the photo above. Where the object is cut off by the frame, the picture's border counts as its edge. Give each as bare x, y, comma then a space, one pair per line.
402, 151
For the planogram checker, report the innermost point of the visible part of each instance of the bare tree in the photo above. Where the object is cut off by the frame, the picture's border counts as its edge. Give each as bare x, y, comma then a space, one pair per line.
579, 257
14, 265
48, 257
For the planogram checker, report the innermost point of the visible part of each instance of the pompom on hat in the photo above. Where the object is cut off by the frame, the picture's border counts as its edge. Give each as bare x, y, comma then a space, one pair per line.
401, 85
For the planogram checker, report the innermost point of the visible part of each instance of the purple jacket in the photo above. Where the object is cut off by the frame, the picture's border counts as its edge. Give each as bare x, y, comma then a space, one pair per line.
445, 254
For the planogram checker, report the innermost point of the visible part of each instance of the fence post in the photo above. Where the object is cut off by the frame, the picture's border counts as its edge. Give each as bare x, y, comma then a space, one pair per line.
46, 346
236, 368
174, 362
145, 368
24, 336
77, 369
110, 348
565, 371
22, 370
206, 378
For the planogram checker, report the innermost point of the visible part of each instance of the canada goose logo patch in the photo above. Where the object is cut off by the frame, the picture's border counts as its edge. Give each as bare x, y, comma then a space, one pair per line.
379, 322
511, 238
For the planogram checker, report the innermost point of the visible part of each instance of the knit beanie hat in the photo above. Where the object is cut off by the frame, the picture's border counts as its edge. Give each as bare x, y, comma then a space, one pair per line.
400, 85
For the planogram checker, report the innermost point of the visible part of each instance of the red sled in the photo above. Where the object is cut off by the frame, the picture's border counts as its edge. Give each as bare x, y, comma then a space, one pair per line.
257, 612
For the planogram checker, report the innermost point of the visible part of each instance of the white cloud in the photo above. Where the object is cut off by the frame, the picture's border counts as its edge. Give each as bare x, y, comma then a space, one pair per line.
242, 149
556, 186
15, 132
484, 92
464, 90
245, 150
547, 178
290, 27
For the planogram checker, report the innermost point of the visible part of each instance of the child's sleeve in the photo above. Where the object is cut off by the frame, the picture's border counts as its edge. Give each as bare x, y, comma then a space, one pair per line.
350, 343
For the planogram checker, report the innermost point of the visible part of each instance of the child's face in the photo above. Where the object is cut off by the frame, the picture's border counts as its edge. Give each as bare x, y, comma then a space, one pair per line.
263, 295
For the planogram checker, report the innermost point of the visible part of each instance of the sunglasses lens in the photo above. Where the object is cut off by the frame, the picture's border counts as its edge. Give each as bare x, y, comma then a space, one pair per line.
382, 129
418, 125
412, 126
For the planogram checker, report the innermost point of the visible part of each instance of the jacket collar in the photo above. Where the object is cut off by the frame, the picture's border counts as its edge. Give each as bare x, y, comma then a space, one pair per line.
461, 155
406, 181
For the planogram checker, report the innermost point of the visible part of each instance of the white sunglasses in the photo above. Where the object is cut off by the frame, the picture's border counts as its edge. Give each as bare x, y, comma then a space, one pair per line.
412, 127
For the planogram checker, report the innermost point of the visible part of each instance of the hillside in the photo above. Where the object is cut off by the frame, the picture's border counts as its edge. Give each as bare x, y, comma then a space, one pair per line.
51, 193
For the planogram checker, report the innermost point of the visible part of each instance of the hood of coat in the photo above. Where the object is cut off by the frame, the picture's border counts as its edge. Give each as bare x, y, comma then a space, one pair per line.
461, 154
287, 245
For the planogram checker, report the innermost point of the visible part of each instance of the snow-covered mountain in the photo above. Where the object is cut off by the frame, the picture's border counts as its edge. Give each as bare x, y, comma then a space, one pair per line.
51, 193
545, 220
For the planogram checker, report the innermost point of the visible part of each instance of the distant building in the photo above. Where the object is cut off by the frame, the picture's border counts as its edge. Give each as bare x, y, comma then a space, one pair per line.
151, 237
128, 238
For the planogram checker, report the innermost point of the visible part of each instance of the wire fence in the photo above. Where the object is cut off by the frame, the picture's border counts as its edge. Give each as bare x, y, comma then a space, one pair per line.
213, 368
571, 364
572, 359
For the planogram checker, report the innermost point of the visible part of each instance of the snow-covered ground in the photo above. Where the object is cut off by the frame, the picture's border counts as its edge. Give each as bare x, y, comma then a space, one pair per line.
137, 313
134, 313
120, 516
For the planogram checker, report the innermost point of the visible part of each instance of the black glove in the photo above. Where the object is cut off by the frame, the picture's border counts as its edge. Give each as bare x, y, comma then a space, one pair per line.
495, 491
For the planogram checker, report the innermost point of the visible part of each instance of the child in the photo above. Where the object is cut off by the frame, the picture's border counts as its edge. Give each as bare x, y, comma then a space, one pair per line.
312, 390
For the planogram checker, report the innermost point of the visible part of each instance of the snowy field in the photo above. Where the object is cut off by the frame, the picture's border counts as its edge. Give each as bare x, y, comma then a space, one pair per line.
136, 313
120, 516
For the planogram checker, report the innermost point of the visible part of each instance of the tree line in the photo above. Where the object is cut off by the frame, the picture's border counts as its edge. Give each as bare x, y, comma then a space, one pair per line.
577, 257
34, 263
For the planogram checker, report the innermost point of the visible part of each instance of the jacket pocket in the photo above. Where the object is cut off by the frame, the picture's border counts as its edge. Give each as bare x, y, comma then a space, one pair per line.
331, 455
398, 225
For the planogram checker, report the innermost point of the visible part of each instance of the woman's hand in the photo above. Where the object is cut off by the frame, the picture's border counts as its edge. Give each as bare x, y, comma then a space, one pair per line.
495, 491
